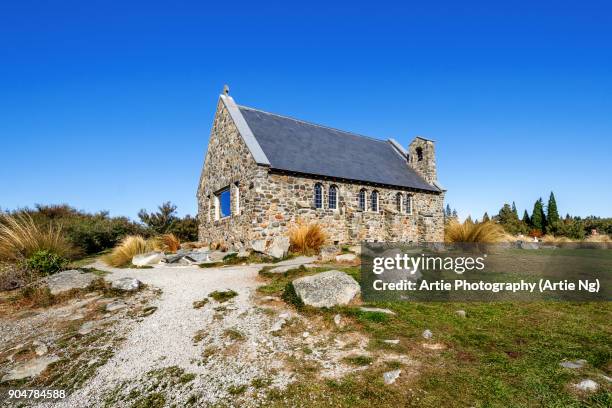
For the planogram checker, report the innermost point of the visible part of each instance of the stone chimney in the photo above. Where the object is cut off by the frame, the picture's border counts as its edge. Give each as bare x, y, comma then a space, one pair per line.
422, 158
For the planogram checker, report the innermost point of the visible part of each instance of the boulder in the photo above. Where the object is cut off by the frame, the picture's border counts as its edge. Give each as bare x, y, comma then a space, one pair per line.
150, 258
67, 280
126, 284
346, 258
278, 247
326, 289
30, 368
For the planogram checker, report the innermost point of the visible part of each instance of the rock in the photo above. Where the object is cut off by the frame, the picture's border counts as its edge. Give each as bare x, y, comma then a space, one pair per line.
337, 320
573, 364
278, 248
305, 334
528, 245
150, 258
277, 325
605, 377
270, 298
243, 253
377, 310
40, 348
326, 289
126, 284
116, 305
258, 245
395, 341
427, 334
284, 266
587, 385
30, 368
346, 257
433, 346
86, 328
68, 280
391, 376
328, 253
460, 313
355, 249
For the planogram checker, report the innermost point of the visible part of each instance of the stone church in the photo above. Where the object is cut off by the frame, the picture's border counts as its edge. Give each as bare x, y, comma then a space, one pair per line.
264, 171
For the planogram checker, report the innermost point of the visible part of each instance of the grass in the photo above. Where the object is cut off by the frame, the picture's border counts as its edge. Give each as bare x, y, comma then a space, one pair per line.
233, 334
130, 246
306, 238
166, 242
359, 360
21, 237
198, 304
223, 296
504, 354
455, 231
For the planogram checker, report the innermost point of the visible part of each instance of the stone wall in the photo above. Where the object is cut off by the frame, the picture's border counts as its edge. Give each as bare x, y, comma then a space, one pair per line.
425, 164
271, 202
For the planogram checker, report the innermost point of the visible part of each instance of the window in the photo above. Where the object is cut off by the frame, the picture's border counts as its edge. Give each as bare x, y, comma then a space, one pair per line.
332, 198
223, 206
362, 200
318, 195
374, 201
419, 152
398, 202
408, 204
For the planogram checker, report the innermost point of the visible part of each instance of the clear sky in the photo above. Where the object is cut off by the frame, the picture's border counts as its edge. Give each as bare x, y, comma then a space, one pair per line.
109, 105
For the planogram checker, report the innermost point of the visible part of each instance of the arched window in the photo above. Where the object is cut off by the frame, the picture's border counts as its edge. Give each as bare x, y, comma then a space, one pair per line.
374, 201
408, 204
398, 202
318, 195
419, 152
332, 198
362, 199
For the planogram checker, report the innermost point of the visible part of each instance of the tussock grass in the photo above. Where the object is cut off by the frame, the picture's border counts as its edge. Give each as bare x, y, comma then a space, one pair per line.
306, 238
223, 296
166, 242
551, 239
598, 238
470, 232
21, 237
131, 245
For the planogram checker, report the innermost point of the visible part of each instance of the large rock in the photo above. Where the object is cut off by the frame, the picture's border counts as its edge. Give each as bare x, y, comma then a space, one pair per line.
67, 280
126, 284
150, 258
30, 368
326, 289
278, 247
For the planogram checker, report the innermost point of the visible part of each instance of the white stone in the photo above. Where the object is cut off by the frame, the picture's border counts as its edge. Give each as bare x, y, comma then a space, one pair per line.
427, 334
391, 376
573, 364
346, 257
279, 247
30, 368
337, 319
460, 313
68, 280
305, 334
150, 258
377, 310
395, 341
126, 284
40, 348
117, 305
326, 289
587, 385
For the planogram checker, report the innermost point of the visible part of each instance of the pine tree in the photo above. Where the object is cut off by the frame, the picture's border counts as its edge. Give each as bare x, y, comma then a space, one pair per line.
469, 220
514, 210
455, 213
448, 210
526, 218
553, 213
537, 218
485, 217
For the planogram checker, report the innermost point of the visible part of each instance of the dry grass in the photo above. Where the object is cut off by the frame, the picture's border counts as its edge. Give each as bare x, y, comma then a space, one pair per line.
551, 239
306, 238
165, 242
470, 232
131, 245
21, 237
598, 238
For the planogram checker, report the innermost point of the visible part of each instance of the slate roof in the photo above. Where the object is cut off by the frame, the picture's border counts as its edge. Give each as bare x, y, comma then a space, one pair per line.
296, 146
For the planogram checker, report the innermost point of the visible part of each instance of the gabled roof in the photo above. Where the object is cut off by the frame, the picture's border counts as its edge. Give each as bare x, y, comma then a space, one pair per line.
293, 145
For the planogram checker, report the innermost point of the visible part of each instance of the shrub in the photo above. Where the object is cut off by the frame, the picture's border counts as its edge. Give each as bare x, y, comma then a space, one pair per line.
45, 262
471, 232
306, 238
21, 237
123, 253
165, 220
223, 296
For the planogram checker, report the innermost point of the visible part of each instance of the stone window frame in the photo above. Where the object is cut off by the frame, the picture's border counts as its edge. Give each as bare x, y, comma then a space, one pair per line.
236, 202
399, 202
362, 199
335, 190
409, 204
375, 201
317, 196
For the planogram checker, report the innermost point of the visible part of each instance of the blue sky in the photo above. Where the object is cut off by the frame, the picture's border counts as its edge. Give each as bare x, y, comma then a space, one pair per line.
109, 105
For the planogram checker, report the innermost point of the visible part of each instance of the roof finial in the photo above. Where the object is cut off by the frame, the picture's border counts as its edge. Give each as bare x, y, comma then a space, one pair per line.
225, 89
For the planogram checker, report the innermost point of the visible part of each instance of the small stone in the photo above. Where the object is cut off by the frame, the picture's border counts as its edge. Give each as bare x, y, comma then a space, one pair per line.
433, 346
391, 376
86, 328
587, 385
376, 310
284, 315
337, 319
427, 334
395, 341
126, 284
573, 364
150, 258
277, 326
40, 348
269, 298
346, 258
460, 313
305, 334
116, 305
605, 377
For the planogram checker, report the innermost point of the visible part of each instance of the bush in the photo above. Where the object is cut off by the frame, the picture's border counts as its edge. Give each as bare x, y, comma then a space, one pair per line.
470, 232
165, 220
306, 238
45, 262
21, 237
123, 253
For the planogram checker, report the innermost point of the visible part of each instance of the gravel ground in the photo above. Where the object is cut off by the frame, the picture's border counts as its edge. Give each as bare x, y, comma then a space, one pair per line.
166, 339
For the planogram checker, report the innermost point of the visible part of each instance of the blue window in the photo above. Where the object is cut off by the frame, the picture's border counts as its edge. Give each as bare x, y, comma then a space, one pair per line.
408, 204
332, 198
225, 205
318, 195
362, 200
374, 203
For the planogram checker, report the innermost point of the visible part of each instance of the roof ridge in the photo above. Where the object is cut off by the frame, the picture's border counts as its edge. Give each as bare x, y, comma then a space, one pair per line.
314, 124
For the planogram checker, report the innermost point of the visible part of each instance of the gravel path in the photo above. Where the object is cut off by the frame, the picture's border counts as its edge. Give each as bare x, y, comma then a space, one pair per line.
166, 338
